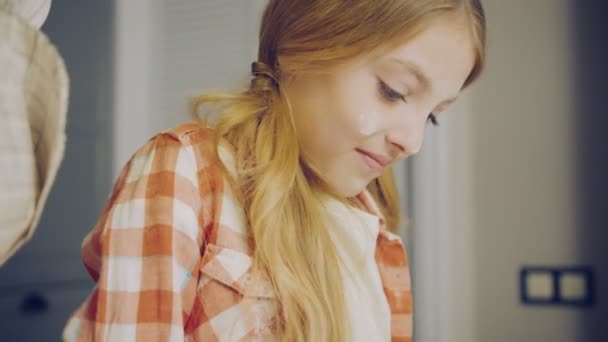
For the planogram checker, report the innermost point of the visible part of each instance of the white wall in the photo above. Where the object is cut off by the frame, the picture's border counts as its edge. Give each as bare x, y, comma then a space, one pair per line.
524, 163
512, 178
168, 52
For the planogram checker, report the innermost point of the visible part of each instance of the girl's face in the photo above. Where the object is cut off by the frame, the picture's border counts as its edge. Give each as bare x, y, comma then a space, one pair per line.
356, 119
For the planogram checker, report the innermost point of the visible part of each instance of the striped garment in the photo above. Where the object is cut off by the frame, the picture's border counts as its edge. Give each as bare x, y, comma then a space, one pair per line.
171, 261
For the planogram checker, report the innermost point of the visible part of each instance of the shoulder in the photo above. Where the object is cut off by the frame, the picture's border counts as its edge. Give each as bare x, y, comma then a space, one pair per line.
191, 152
177, 166
194, 139
194, 136
191, 133
186, 151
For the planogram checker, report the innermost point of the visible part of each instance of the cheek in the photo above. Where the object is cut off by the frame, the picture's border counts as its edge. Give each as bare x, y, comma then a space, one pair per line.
342, 113
358, 109
367, 122
362, 118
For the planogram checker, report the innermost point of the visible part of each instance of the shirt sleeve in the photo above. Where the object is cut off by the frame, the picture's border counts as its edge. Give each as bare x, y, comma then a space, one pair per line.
145, 250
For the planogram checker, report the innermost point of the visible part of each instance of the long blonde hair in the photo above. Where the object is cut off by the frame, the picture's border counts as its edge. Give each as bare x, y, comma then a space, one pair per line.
280, 191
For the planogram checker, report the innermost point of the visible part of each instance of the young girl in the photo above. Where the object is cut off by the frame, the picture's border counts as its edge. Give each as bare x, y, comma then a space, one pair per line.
277, 222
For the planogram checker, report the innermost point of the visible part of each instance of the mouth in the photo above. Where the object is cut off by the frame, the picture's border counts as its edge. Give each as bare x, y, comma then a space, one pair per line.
373, 161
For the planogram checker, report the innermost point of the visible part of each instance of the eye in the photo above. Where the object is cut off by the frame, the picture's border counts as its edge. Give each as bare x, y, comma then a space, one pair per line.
392, 95
389, 93
433, 119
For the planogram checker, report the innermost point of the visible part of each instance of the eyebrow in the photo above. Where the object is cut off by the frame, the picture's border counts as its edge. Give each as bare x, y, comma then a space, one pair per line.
420, 75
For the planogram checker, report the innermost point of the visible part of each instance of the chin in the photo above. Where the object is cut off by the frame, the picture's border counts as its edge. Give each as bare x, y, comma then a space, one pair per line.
349, 187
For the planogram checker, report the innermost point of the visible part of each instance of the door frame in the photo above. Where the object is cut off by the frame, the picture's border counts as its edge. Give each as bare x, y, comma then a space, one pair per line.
442, 215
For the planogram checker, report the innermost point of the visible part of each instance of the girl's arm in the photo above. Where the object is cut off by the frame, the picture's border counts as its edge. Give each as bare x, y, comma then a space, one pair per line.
145, 250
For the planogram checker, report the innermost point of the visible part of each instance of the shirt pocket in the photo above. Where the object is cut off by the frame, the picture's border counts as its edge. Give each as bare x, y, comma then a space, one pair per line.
232, 268
240, 306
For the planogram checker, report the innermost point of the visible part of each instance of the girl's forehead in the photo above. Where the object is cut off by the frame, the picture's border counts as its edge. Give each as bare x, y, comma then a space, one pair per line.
444, 50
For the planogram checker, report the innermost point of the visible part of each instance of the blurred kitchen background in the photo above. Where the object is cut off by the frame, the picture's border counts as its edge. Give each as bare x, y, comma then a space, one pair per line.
507, 201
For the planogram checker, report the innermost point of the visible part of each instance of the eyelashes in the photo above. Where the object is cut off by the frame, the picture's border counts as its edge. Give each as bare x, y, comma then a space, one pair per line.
389, 93
392, 96
433, 119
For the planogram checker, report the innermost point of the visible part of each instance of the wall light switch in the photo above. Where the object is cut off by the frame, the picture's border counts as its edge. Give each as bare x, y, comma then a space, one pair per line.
540, 285
557, 286
575, 286
572, 286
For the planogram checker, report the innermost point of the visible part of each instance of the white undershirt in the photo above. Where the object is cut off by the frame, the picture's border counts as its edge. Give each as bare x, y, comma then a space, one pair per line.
355, 235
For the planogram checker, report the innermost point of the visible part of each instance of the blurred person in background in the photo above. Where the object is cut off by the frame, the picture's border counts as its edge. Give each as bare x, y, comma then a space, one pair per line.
33, 107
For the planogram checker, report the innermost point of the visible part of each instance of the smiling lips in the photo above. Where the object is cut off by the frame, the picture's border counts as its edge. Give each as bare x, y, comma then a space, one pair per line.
375, 162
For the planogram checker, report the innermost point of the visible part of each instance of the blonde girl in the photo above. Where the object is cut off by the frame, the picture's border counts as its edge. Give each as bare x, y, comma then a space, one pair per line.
279, 221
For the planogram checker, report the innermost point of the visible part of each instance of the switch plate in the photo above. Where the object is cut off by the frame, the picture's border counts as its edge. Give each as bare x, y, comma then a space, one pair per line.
567, 286
575, 286
539, 285
572, 286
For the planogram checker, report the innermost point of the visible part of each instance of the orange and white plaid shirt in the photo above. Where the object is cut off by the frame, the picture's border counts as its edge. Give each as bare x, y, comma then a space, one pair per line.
171, 261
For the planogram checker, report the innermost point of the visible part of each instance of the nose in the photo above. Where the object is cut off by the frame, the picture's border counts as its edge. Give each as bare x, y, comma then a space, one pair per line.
405, 139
